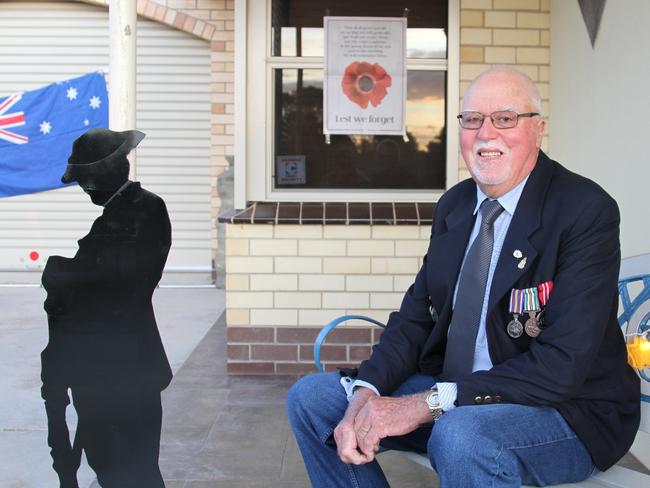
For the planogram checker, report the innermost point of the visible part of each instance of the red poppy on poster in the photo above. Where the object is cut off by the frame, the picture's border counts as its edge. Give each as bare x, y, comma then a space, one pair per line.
364, 89
364, 82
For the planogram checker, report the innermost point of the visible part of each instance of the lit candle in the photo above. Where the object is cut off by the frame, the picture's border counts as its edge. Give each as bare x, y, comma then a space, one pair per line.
644, 351
638, 352
632, 353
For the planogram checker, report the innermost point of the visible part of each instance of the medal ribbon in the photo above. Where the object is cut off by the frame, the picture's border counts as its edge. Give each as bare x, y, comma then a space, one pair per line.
517, 300
531, 300
544, 292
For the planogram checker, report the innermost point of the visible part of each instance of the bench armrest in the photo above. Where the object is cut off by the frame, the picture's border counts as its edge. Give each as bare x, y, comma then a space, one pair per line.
331, 326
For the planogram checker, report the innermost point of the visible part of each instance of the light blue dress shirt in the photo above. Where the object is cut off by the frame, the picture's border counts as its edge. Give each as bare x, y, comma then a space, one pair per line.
447, 391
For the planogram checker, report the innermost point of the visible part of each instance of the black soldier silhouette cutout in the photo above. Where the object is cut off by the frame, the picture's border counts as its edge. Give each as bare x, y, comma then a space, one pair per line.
104, 343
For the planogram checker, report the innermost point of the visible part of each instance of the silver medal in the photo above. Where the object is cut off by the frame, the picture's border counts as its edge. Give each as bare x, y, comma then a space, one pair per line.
514, 328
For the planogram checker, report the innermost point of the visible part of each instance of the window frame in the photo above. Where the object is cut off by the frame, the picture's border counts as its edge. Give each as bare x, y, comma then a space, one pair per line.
254, 162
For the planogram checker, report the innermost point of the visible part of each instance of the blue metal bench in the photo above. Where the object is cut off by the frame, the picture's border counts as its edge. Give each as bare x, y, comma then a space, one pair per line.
635, 321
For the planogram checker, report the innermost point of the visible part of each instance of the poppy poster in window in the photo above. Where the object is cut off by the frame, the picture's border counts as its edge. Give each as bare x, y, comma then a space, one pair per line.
365, 75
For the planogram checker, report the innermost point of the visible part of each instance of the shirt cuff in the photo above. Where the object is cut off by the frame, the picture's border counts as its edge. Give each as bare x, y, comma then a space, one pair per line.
349, 385
447, 394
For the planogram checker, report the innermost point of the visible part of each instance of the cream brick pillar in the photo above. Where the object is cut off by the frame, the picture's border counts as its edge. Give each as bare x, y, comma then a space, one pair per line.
505, 32
285, 282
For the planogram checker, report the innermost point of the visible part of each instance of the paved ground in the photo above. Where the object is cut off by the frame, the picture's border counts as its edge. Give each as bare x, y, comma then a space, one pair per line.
229, 432
218, 430
184, 317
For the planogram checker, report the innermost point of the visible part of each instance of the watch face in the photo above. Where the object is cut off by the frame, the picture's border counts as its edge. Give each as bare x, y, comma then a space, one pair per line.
433, 402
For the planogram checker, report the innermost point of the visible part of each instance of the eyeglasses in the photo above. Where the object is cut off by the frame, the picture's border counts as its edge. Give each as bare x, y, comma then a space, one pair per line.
505, 119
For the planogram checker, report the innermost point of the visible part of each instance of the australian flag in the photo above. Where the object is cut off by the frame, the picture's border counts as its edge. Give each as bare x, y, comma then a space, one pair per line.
37, 129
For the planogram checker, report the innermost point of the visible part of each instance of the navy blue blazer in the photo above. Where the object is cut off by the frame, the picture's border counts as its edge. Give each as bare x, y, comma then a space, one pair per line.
567, 227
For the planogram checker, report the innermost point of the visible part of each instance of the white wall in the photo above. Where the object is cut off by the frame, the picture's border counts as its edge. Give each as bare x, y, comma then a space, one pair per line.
44, 42
600, 107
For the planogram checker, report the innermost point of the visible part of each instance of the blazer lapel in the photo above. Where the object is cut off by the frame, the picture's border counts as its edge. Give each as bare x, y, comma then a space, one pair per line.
451, 247
524, 222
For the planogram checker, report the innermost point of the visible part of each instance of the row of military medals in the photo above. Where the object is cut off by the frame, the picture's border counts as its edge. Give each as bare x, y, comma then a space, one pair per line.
530, 301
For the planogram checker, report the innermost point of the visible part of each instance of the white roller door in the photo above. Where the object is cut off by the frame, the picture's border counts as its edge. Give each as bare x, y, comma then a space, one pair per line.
44, 42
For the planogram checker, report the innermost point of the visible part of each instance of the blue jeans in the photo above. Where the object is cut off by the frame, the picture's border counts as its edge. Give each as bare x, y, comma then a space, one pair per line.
498, 445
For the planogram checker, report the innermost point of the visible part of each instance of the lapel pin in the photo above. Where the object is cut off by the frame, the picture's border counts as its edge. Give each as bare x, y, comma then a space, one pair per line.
517, 254
522, 264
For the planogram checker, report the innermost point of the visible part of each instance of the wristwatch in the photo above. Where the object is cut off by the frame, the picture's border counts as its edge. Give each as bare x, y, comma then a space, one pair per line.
433, 402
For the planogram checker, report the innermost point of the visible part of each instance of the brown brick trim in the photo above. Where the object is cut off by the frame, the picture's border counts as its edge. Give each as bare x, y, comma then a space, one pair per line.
290, 350
250, 368
323, 213
250, 335
183, 21
294, 368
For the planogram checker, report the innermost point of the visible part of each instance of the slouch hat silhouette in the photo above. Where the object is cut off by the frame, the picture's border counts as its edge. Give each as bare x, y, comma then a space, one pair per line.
97, 152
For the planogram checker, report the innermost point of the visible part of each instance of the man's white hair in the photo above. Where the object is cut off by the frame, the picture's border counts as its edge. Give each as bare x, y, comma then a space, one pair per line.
526, 83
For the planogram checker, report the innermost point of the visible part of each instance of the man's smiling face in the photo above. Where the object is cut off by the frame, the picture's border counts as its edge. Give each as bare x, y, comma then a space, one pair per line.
498, 159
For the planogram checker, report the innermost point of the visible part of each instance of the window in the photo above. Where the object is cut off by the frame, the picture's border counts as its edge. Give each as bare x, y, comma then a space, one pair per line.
290, 110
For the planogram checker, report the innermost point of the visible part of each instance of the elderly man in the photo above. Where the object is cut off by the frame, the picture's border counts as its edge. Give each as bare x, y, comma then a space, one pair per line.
505, 362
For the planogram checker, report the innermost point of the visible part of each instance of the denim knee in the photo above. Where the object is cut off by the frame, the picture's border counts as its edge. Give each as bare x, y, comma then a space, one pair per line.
458, 439
315, 395
505, 445
296, 396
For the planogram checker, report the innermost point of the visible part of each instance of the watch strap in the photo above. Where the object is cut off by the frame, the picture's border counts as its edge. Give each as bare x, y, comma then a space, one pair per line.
433, 402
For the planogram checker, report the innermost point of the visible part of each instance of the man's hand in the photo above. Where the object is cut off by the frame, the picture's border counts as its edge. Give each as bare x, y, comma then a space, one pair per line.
345, 435
386, 417
369, 418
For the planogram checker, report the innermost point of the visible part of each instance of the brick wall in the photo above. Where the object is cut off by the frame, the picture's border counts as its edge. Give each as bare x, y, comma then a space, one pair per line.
212, 20
505, 32
285, 282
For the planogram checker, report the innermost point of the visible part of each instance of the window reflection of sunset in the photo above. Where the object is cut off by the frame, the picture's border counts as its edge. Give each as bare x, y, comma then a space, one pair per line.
420, 43
426, 43
425, 118
365, 162
425, 104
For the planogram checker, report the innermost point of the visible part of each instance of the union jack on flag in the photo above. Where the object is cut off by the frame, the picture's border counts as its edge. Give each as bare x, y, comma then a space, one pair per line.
8, 120
37, 129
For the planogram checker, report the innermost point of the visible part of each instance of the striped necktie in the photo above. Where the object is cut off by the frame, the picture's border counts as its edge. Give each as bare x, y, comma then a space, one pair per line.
461, 339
